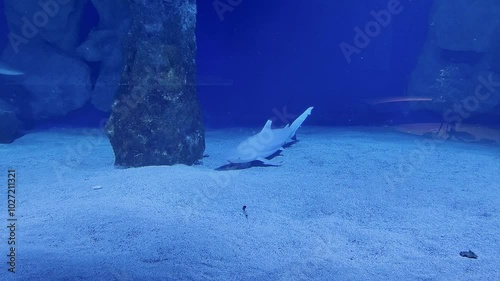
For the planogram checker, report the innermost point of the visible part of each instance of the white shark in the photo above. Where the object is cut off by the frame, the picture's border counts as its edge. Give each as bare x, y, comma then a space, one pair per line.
267, 142
7, 69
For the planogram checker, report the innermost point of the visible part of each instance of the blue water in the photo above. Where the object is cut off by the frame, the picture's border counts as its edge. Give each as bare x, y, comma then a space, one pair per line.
382, 184
287, 54
272, 55
264, 56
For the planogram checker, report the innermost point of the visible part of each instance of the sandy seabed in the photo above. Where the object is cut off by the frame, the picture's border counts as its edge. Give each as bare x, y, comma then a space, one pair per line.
347, 204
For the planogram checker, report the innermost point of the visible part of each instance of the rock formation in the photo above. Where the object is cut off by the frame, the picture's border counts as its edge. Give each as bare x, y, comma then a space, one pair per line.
10, 125
42, 40
156, 117
56, 22
57, 83
105, 45
459, 65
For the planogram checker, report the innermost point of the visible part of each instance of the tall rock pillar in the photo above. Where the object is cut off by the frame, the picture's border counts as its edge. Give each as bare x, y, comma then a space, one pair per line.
156, 117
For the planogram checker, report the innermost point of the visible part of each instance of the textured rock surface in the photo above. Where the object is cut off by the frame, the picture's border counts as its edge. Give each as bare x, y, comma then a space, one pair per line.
12, 92
43, 37
10, 125
465, 25
156, 117
57, 84
54, 21
462, 51
105, 45
112, 13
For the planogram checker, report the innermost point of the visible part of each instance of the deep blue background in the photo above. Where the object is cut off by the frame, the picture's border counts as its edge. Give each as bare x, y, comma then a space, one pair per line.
286, 53
270, 54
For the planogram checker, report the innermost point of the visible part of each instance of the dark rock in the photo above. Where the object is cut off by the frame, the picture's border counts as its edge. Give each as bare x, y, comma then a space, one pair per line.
457, 25
54, 21
467, 57
156, 117
57, 83
43, 37
10, 125
13, 92
460, 56
112, 13
105, 45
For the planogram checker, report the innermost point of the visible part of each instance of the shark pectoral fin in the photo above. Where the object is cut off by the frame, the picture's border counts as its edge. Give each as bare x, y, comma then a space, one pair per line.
269, 162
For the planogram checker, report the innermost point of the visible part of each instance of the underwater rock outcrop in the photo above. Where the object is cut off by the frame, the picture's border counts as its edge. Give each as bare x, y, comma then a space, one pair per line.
156, 117
15, 112
104, 45
457, 67
56, 22
10, 125
57, 84
42, 40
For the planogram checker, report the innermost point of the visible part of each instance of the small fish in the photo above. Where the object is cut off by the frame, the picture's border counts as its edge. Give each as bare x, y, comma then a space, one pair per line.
7, 69
376, 101
469, 254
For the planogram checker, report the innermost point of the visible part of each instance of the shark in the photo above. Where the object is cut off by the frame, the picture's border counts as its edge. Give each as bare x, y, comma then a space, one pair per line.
7, 69
267, 142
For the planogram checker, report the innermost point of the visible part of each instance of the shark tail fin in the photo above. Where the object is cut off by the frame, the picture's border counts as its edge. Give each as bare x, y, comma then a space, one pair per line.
298, 122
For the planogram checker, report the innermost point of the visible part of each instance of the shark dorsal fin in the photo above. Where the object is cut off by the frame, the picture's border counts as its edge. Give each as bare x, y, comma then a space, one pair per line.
267, 126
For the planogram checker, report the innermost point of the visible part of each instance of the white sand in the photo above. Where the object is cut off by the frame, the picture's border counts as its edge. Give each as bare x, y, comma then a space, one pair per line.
346, 205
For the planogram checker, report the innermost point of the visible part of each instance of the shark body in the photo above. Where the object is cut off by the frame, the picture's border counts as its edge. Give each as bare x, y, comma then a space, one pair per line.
267, 142
7, 69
